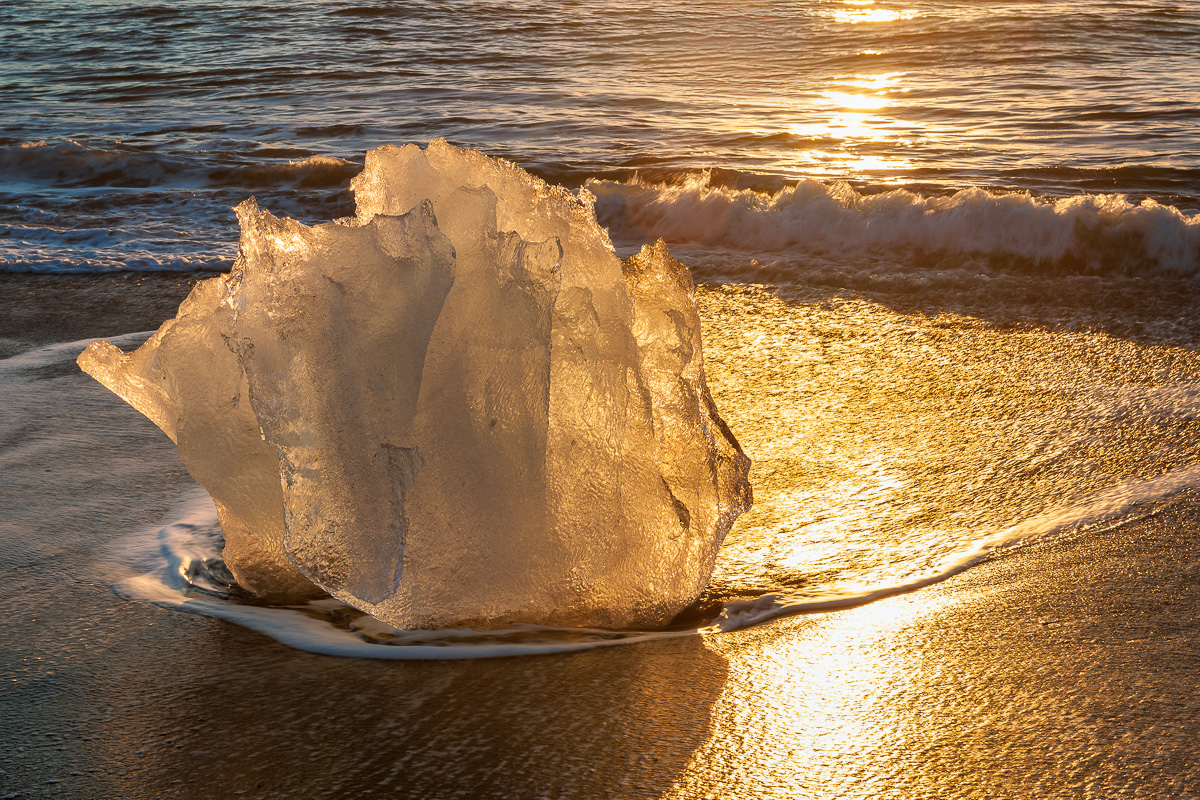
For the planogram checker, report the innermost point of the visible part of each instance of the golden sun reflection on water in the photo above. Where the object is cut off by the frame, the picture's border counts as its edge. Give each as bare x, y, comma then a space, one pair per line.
859, 12
820, 691
885, 445
875, 83
844, 126
862, 101
855, 111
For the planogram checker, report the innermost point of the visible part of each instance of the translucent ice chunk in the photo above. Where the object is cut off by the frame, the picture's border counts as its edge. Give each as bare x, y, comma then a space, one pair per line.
192, 386
459, 407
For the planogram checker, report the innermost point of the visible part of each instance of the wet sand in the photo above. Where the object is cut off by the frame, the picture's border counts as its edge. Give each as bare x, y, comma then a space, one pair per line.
1067, 668
37, 310
1063, 669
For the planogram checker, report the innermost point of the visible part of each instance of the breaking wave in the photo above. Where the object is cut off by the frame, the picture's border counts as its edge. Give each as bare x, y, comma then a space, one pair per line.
95, 203
1083, 234
73, 208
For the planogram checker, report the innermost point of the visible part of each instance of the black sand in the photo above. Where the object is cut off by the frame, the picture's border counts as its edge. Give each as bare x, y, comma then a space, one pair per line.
1063, 669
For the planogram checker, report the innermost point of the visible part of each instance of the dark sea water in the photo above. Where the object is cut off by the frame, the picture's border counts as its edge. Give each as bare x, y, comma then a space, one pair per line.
130, 128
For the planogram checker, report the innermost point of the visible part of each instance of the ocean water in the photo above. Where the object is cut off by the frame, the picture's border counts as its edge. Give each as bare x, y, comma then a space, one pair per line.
131, 128
947, 251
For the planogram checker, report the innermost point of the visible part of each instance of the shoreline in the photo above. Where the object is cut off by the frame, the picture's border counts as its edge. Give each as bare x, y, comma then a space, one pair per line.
1063, 668
37, 310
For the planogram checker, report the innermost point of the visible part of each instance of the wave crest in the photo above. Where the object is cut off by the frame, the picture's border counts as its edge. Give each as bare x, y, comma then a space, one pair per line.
1086, 233
74, 165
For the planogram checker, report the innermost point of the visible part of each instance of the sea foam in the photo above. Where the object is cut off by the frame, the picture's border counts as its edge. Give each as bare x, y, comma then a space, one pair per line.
150, 195
174, 567
1088, 233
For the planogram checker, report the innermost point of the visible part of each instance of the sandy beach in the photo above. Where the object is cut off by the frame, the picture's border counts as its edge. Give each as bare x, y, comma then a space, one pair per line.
1065, 668
945, 295
37, 310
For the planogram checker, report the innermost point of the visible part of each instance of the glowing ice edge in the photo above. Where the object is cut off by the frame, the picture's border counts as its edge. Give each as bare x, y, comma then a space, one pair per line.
52, 354
165, 586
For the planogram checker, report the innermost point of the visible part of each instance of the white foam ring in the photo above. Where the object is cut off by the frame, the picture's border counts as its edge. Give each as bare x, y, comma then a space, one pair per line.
167, 558
1105, 506
170, 554
63, 351
1093, 233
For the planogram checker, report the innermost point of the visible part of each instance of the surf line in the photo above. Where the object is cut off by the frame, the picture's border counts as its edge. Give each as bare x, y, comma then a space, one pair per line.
1108, 505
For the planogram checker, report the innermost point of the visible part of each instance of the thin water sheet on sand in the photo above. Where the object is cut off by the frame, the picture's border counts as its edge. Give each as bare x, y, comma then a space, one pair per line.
1055, 670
